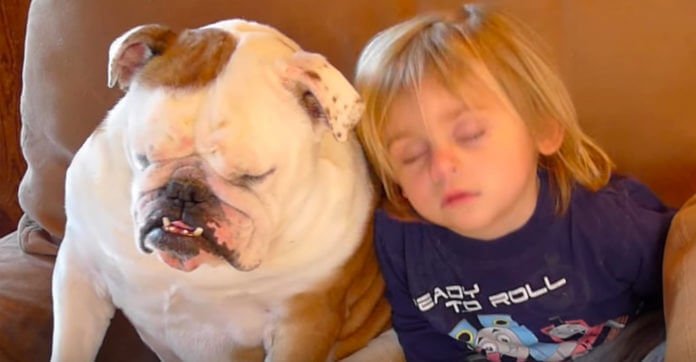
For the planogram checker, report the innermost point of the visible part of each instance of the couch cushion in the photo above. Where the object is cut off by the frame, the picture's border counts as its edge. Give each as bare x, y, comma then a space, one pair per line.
25, 303
25, 312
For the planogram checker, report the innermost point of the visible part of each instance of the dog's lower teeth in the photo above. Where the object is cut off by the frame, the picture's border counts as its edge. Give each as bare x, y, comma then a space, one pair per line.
170, 228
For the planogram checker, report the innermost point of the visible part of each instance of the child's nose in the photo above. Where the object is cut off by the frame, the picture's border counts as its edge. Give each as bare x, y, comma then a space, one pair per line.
443, 164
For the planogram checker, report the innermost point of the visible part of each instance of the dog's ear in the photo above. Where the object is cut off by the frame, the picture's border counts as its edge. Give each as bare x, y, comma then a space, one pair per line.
324, 92
132, 50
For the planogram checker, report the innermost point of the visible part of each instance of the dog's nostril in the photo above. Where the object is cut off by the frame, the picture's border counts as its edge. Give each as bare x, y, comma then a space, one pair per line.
187, 191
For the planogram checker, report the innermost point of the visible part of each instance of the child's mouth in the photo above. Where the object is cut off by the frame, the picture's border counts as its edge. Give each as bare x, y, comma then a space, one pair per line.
458, 198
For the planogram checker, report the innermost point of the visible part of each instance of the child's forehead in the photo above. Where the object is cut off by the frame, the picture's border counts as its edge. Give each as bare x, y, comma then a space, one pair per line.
472, 90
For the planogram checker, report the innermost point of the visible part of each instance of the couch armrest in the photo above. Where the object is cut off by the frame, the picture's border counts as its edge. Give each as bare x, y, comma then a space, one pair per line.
680, 284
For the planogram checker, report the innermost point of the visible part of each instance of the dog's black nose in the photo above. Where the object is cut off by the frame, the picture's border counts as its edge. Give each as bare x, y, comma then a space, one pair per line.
187, 191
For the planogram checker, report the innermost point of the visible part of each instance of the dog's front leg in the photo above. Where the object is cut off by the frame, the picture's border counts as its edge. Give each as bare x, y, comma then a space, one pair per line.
82, 309
307, 332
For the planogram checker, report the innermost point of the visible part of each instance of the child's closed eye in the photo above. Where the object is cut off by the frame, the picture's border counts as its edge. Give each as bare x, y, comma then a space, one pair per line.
412, 152
469, 130
412, 159
469, 136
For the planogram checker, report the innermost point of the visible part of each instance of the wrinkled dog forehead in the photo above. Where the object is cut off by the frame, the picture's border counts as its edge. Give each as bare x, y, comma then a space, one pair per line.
249, 56
192, 58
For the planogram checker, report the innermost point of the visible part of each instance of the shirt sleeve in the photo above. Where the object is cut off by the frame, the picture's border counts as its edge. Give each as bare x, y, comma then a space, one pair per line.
419, 340
642, 222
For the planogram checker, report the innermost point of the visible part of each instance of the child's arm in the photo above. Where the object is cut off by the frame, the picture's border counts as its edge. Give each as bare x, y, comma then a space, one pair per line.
419, 340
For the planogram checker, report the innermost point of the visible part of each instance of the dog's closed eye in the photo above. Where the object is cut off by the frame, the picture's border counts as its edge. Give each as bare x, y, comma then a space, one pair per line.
248, 180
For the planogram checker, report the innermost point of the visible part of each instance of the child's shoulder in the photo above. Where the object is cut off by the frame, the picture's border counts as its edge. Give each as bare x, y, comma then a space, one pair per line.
621, 194
385, 222
623, 209
395, 231
623, 221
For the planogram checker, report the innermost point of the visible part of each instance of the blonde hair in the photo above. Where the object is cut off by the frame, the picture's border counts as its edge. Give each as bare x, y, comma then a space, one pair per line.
451, 45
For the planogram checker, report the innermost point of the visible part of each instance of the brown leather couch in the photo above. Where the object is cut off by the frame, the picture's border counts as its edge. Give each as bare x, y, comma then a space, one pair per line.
630, 67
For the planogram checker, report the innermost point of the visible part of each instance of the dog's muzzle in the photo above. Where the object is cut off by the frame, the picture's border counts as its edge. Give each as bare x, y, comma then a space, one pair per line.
180, 223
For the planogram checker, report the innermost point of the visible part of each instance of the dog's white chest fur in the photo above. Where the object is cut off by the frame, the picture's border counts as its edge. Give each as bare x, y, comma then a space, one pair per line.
198, 324
205, 314
190, 319
194, 322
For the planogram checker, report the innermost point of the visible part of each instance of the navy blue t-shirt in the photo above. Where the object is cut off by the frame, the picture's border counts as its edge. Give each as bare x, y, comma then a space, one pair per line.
549, 291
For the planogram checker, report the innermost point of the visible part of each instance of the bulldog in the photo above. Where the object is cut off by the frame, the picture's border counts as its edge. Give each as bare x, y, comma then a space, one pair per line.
224, 205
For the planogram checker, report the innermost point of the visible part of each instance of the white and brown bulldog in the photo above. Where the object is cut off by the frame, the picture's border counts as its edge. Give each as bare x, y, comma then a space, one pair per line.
224, 205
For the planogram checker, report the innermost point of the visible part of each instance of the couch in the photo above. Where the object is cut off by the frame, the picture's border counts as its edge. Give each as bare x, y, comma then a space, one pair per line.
629, 66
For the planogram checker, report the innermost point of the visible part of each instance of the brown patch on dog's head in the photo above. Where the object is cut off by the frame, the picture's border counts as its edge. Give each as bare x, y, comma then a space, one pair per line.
157, 56
193, 59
